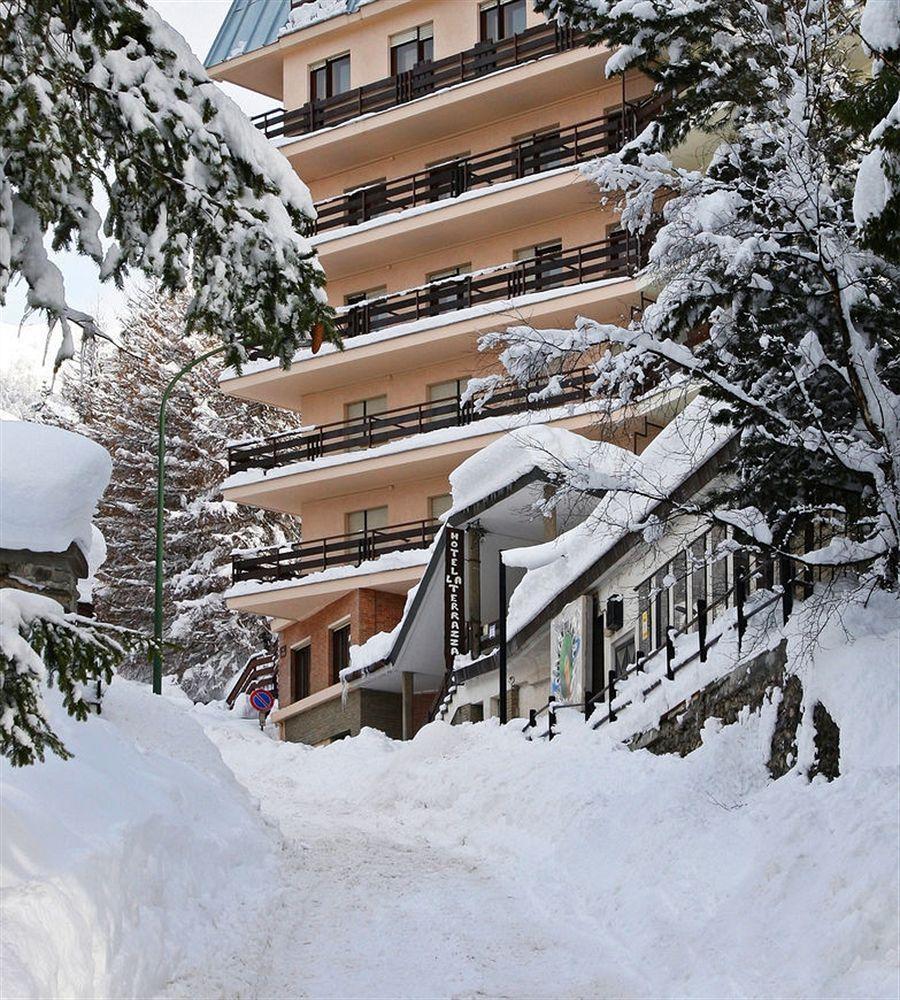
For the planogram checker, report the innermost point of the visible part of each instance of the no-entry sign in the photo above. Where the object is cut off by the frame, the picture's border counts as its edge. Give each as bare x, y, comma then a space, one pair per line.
262, 700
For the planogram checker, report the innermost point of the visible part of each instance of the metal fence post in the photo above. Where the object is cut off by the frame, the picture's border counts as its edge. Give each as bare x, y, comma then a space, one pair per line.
670, 653
588, 704
551, 720
611, 694
702, 623
786, 572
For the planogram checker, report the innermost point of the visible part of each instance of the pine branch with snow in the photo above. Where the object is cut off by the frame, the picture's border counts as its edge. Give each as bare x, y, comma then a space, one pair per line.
770, 298
41, 645
102, 96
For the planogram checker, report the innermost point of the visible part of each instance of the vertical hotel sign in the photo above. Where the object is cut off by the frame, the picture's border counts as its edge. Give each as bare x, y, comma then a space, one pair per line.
454, 595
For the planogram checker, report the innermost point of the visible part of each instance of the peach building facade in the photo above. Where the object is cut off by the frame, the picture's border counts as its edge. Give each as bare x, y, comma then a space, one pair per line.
441, 140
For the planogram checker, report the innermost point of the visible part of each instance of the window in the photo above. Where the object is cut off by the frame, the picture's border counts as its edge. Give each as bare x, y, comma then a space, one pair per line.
453, 294
643, 592
412, 47
329, 78
537, 151
698, 571
300, 662
547, 269
439, 505
451, 389
359, 521
448, 177
365, 408
354, 298
340, 651
623, 657
366, 201
501, 19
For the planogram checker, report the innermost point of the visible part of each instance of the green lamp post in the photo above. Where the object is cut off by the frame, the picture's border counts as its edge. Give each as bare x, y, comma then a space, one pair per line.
160, 510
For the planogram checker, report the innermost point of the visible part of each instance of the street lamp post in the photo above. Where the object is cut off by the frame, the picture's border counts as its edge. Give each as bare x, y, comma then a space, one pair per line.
160, 510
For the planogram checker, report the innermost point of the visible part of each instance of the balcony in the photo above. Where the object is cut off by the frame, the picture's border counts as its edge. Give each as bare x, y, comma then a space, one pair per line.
426, 78
513, 161
619, 255
304, 558
403, 422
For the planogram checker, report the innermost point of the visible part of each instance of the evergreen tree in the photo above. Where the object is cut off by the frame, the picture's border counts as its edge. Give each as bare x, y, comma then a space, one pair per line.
104, 95
799, 306
118, 407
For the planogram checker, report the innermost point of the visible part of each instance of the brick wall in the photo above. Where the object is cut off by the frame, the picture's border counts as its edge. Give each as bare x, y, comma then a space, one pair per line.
369, 612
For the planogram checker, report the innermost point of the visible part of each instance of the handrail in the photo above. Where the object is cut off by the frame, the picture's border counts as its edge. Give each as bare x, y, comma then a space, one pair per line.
620, 254
426, 78
305, 557
512, 161
359, 433
611, 716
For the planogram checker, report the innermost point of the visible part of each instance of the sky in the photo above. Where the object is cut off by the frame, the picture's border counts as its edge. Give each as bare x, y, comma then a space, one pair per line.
198, 21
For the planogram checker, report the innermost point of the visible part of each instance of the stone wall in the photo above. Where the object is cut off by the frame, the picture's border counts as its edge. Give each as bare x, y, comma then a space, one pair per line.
748, 686
335, 718
51, 574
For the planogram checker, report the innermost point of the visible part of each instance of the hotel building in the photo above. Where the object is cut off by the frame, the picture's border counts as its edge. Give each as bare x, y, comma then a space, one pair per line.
441, 141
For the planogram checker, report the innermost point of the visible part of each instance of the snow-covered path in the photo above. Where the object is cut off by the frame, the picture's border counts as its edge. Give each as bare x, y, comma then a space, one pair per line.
372, 906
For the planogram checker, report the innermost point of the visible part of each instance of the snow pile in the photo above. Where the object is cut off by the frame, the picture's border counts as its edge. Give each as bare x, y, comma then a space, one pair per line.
470, 862
123, 864
50, 484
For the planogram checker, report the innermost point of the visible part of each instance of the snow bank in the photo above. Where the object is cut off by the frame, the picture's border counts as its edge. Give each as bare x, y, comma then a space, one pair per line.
50, 484
613, 873
121, 865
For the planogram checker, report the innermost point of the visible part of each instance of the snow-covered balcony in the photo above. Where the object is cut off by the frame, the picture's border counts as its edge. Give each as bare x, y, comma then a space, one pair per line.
293, 581
442, 320
513, 186
486, 83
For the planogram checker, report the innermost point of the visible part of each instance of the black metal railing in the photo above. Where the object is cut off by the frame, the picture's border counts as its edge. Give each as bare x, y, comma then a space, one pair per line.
558, 148
426, 78
405, 421
618, 255
303, 558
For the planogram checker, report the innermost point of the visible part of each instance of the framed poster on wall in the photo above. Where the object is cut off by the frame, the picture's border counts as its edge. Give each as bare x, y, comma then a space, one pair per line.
569, 651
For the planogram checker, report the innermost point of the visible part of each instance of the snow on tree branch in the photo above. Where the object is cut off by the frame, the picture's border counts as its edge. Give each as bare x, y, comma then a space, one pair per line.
103, 104
768, 297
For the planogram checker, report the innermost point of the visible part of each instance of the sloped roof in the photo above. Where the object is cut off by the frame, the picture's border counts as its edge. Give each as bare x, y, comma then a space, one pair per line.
249, 25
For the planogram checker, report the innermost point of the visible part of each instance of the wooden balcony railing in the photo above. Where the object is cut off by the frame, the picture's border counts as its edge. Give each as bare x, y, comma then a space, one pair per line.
405, 421
559, 148
303, 558
426, 78
616, 256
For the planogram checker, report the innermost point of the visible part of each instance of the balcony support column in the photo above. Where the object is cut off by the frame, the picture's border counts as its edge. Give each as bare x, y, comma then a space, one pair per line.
407, 695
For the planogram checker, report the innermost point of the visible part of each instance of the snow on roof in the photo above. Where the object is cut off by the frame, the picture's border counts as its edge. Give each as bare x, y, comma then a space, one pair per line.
682, 447
314, 11
49, 488
248, 25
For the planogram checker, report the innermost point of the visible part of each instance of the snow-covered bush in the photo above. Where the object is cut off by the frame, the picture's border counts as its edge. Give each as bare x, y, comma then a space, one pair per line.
768, 296
102, 96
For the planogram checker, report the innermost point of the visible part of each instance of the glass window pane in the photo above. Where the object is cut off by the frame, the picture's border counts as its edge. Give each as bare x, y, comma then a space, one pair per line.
440, 505
513, 17
340, 75
376, 517
446, 390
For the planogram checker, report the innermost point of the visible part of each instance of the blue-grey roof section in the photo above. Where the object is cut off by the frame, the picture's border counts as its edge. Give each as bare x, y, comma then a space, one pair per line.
249, 25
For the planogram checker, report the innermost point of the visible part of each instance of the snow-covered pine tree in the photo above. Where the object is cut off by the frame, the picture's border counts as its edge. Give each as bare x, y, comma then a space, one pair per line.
102, 95
761, 253
118, 408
